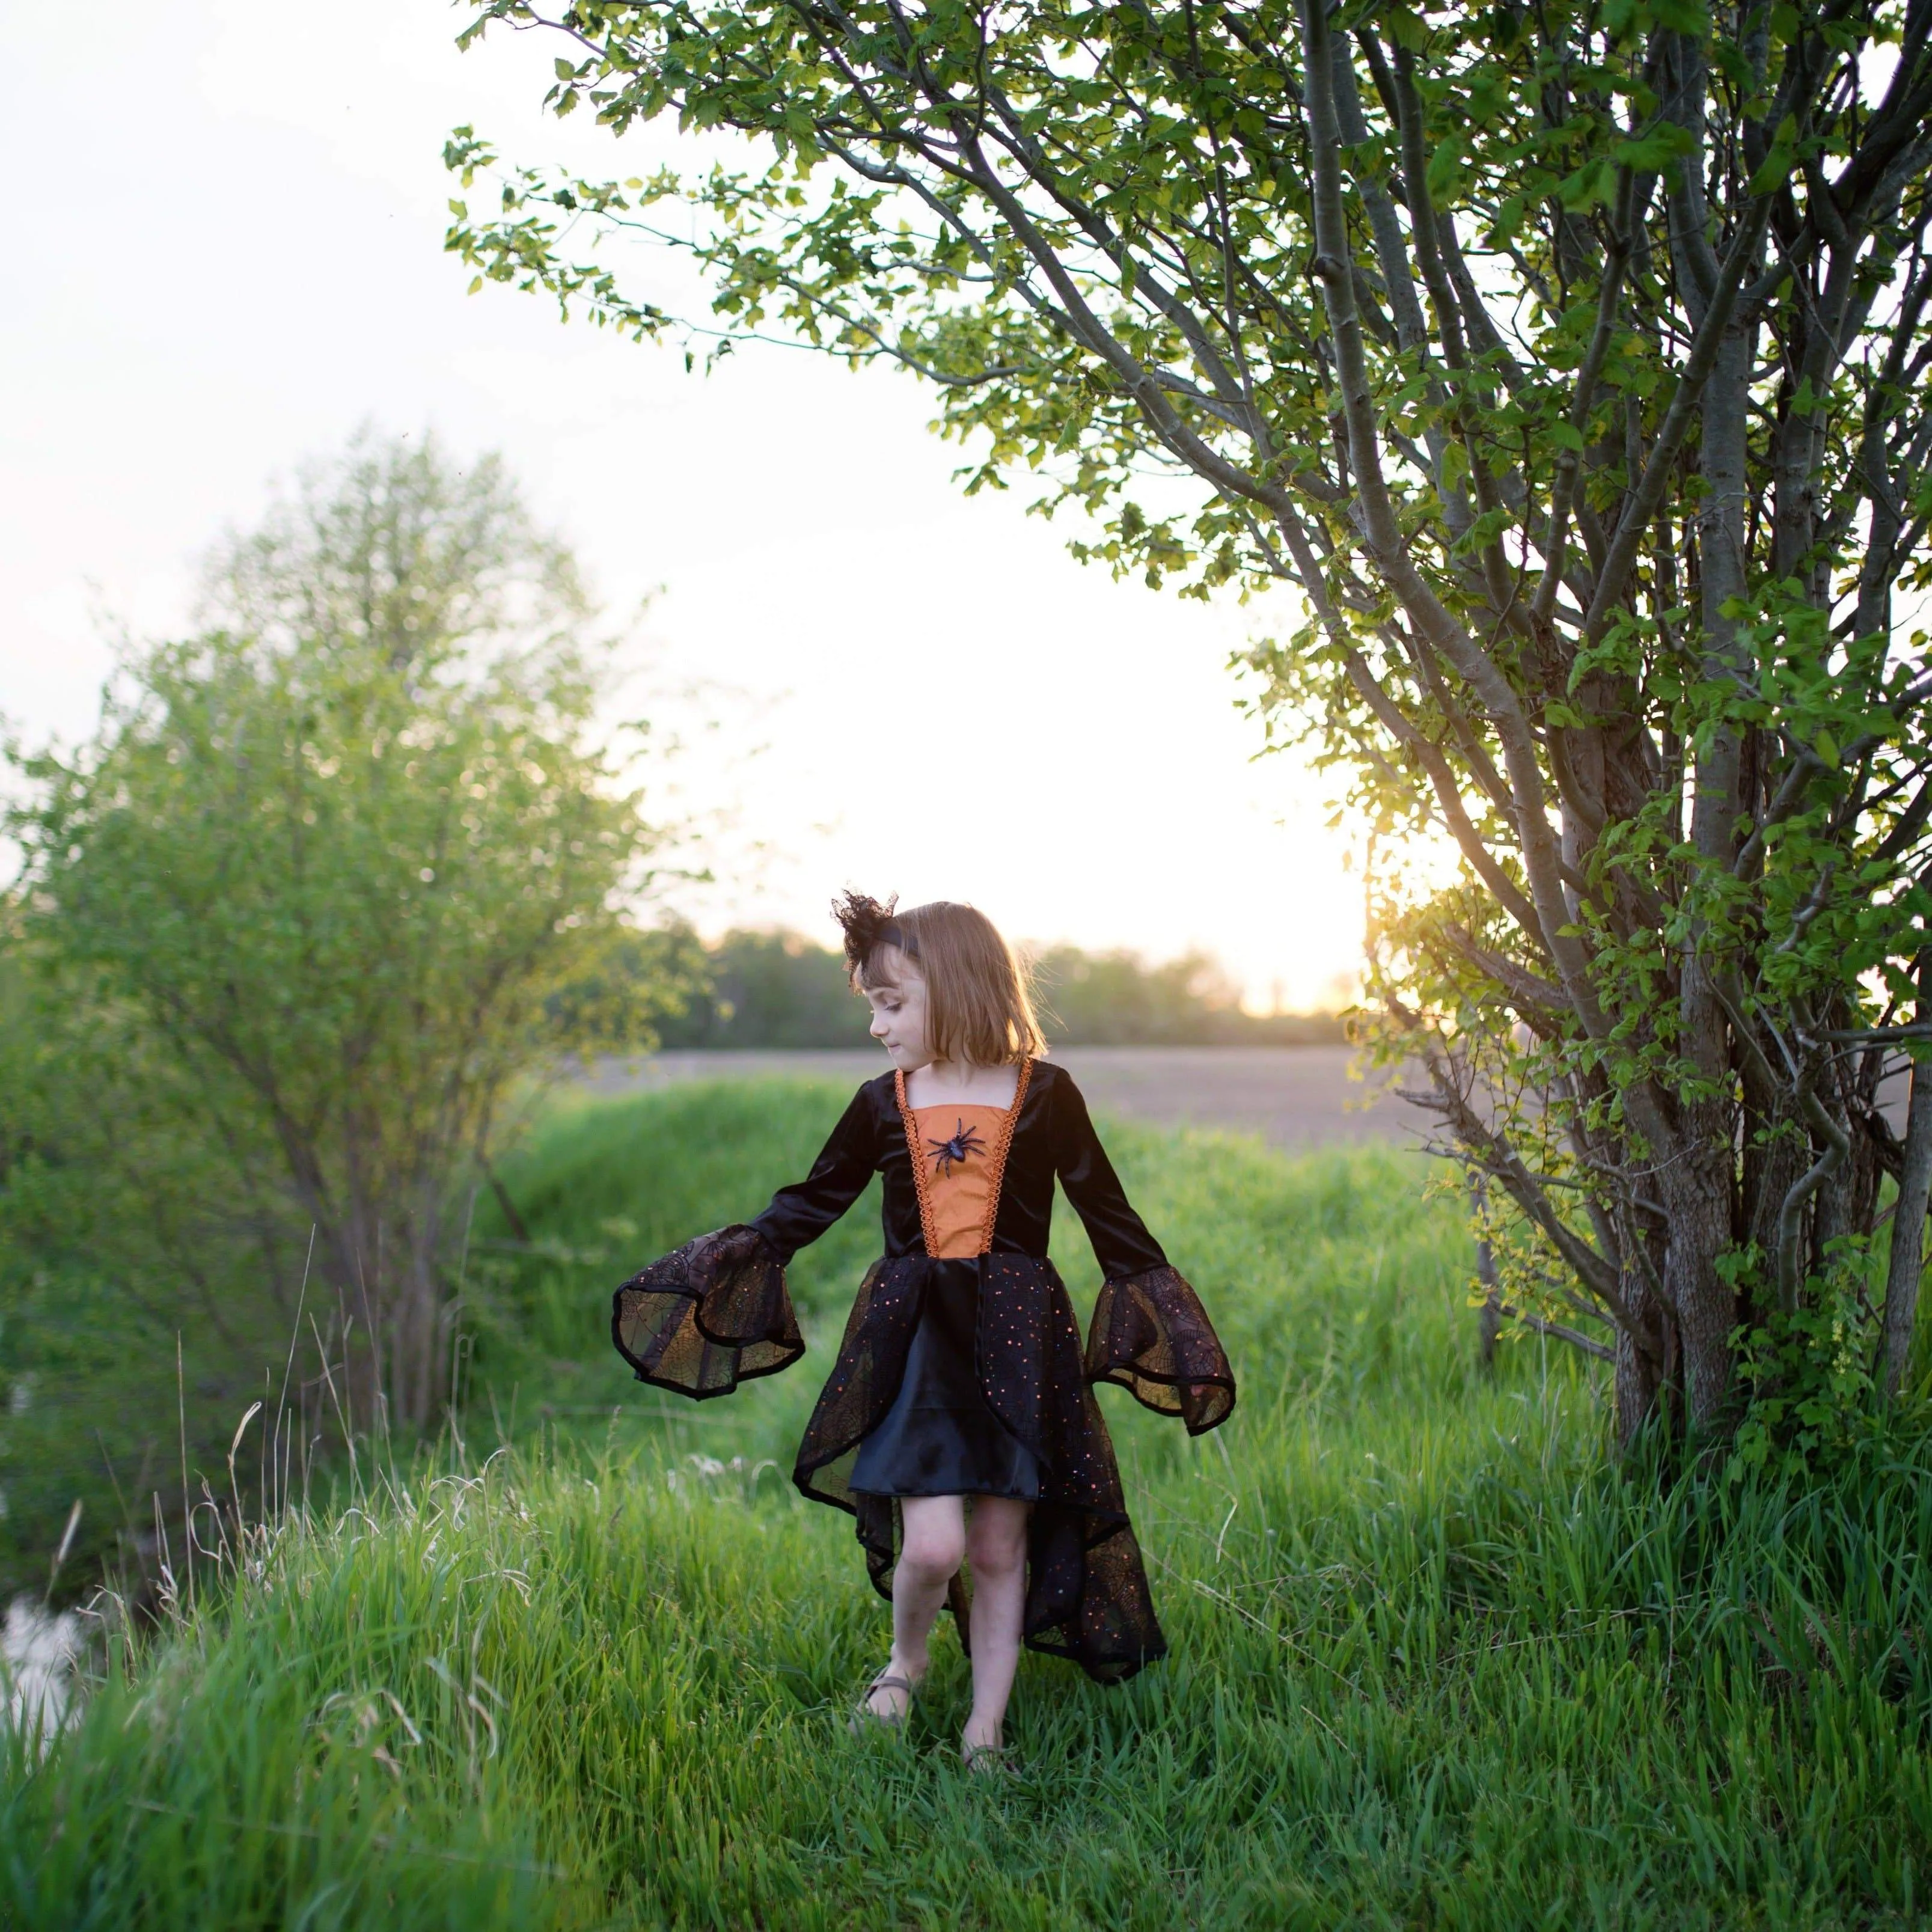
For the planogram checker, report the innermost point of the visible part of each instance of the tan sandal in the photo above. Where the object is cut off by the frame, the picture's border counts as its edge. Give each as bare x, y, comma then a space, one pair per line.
862, 1713
988, 1760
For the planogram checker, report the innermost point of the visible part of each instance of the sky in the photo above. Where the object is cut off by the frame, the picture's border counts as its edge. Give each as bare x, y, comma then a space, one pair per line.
226, 255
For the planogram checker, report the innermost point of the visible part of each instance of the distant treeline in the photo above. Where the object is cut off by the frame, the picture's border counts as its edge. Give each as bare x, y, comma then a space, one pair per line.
779, 990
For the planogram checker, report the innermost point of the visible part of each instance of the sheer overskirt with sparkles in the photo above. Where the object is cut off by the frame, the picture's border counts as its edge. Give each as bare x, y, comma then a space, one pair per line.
1087, 1595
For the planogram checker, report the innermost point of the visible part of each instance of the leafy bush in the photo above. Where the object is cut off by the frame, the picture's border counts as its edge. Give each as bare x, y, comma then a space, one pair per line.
333, 875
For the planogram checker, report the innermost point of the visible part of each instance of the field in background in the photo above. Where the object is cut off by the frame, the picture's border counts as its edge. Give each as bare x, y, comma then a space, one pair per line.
1435, 1663
1295, 1097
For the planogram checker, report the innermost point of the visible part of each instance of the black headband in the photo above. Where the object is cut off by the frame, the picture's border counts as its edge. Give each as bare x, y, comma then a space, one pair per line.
868, 925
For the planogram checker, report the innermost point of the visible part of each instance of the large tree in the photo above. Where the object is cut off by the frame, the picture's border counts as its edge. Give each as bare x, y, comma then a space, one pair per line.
344, 865
1568, 361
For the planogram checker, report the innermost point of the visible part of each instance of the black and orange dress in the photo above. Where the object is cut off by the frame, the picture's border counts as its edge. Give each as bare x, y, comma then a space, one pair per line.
962, 1371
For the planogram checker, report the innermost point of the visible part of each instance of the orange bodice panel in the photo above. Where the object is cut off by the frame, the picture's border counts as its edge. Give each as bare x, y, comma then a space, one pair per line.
959, 1154
958, 1191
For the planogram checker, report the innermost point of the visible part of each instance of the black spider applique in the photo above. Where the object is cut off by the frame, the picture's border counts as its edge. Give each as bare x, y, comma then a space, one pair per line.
948, 1154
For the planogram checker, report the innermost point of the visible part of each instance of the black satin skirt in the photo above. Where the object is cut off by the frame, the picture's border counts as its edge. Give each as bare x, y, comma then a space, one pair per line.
939, 1438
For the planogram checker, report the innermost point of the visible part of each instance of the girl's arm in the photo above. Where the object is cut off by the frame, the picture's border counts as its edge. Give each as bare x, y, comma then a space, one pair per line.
717, 1311
800, 1214
1150, 1333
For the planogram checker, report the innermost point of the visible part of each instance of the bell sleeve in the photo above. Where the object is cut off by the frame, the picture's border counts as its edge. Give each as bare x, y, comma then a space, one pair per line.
716, 1311
1150, 1333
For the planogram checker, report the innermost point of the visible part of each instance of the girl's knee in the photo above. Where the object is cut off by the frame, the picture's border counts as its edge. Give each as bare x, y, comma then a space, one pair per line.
933, 1552
997, 1548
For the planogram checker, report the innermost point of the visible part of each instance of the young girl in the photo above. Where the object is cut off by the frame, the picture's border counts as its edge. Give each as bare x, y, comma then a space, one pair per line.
959, 1423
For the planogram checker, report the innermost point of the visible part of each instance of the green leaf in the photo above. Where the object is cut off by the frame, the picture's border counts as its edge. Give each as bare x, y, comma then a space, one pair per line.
1404, 29
1484, 530
1566, 436
1445, 168
1593, 185
1775, 172
1733, 66
1508, 221
1779, 162
1656, 148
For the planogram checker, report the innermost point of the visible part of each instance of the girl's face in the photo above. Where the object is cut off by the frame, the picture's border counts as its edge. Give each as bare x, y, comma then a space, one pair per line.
899, 1010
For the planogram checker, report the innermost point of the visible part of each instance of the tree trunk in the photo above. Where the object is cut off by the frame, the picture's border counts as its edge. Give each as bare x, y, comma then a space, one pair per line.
1697, 1197
1639, 1381
1648, 1361
1490, 1319
1908, 1222
1489, 1324
419, 1375
1696, 1188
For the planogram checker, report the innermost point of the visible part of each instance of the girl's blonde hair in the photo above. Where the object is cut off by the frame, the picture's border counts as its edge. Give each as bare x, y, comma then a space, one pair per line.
979, 1004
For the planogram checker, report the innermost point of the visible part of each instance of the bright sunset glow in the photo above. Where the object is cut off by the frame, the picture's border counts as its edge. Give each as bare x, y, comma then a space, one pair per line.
950, 706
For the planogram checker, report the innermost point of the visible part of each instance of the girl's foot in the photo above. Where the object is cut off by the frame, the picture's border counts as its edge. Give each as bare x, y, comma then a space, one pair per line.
886, 1700
985, 1759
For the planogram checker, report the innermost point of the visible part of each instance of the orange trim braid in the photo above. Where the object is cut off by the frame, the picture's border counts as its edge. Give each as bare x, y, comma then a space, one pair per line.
917, 1155
1004, 1140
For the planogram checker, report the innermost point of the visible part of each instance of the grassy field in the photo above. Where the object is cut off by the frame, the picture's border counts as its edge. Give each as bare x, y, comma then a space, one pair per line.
1435, 1664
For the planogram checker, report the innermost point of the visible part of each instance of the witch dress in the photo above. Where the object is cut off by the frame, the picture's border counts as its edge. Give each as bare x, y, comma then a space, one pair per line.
962, 1371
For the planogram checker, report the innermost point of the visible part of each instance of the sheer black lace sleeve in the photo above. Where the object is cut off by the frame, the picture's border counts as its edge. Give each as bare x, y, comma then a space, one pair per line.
1150, 1333
717, 1312
708, 1316
1151, 1336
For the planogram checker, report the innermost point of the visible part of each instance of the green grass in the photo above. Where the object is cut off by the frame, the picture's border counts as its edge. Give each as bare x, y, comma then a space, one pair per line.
1435, 1663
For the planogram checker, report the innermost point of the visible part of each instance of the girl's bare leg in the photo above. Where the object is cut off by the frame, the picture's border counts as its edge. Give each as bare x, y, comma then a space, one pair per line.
932, 1542
997, 1548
